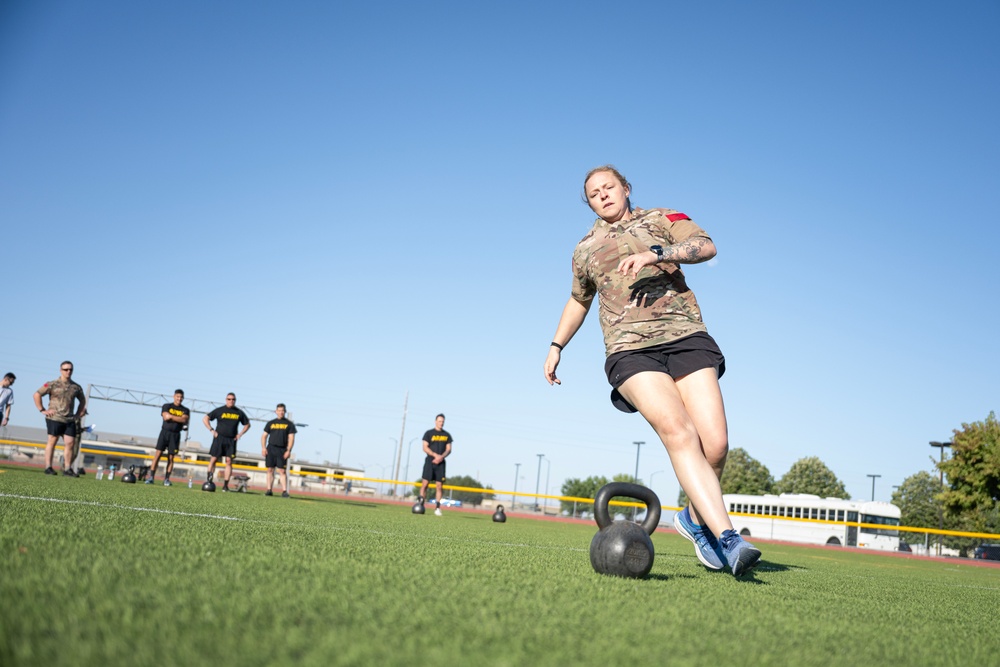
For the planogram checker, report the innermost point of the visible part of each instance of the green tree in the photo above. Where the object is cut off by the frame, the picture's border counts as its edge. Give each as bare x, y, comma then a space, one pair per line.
971, 497
627, 511
744, 474
467, 497
918, 500
810, 475
577, 488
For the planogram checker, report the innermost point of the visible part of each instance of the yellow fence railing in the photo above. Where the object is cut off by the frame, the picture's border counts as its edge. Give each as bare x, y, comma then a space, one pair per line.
192, 460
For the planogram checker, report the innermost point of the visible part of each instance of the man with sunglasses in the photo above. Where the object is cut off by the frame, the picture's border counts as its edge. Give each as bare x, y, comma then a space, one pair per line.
61, 419
225, 436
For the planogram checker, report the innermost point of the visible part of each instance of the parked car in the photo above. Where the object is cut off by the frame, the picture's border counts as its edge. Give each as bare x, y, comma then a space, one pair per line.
448, 502
987, 552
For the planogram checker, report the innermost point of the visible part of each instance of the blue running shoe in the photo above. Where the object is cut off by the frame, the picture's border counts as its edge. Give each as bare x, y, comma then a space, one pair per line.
149, 480
741, 555
706, 547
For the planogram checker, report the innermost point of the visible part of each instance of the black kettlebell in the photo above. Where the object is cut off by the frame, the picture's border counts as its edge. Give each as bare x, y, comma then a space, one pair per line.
623, 548
418, 507
129, 477
499, 516
209, 485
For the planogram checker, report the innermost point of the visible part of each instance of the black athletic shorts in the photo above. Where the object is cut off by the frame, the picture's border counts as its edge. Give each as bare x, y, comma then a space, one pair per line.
223, 446
169, 441
433, 472
61, 428
275, 457
676, 359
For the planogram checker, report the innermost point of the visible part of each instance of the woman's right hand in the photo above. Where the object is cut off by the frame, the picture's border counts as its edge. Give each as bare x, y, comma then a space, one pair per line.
551, 363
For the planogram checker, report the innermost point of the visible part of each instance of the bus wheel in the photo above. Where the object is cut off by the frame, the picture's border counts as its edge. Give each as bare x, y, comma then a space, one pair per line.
745, 532
833, 542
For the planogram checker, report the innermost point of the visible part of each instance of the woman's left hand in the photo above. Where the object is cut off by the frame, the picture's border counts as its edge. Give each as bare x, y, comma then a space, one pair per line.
633, 263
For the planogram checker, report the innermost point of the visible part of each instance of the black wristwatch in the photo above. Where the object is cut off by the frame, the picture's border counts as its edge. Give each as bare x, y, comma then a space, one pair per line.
658, 249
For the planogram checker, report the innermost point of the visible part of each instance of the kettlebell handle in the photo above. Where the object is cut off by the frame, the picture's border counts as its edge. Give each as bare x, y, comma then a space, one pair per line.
640, 493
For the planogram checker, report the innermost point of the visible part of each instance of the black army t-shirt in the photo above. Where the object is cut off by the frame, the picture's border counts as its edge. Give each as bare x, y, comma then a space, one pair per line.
228, 420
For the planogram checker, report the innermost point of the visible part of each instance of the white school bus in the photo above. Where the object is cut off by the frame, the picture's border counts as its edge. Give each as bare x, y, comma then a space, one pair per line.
802, 517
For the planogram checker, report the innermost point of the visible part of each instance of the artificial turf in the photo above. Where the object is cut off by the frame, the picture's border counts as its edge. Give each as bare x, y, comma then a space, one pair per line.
104, 573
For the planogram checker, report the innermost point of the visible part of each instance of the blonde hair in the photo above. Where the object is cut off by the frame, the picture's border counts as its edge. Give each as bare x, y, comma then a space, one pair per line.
610, 168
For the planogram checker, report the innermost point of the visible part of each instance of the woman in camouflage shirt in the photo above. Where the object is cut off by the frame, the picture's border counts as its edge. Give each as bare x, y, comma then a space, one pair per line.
661, 362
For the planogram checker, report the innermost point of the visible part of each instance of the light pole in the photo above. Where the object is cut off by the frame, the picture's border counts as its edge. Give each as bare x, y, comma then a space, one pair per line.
635, 479
517, 473
651, 476
874, 477
395, 443
340, 442
548, 469
409, 447
638, 444
941, 446
538, 478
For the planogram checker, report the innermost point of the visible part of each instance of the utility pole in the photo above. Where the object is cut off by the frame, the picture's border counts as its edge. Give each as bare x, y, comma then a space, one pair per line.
538, 479
941, 445
399, 457
513, 497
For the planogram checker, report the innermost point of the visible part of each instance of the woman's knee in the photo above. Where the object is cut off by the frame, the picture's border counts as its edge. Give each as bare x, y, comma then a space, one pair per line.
716, 450
677, 435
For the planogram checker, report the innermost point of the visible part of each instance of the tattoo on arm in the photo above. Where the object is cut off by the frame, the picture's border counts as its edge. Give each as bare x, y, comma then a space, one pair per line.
688, 252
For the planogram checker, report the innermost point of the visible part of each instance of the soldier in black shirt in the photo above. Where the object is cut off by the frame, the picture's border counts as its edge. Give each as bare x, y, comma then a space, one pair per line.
276, 444
175, 419
225, 436
437, 446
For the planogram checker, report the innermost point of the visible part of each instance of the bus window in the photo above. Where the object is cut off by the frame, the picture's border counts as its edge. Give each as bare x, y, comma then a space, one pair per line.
798, 513
814, 513
840, 515
822, 514
880, 520
852, 516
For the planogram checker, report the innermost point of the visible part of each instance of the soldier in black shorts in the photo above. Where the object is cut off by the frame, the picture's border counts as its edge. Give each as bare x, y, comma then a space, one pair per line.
276, 447
62, 417
175, 419
437, 446
225, 435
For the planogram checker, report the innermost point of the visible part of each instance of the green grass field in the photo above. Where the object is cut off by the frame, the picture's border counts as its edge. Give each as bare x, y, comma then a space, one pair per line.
104, 573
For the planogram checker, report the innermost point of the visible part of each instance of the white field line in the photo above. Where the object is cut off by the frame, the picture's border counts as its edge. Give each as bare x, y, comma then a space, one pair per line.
123, 507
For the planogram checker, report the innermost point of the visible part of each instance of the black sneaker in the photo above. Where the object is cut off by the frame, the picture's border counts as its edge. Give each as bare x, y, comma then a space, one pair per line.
268, 493
225, 488
68, 472
284, 494
50, 471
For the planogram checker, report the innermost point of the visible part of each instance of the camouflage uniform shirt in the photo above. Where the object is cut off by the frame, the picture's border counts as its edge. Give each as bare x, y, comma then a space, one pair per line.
653, 308
61, 395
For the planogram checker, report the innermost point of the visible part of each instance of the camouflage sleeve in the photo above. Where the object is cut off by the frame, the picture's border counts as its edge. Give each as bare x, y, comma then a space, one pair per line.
583, 288
677, 227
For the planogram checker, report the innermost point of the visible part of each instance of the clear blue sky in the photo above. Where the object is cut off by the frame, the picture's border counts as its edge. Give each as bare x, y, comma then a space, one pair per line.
334, 204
